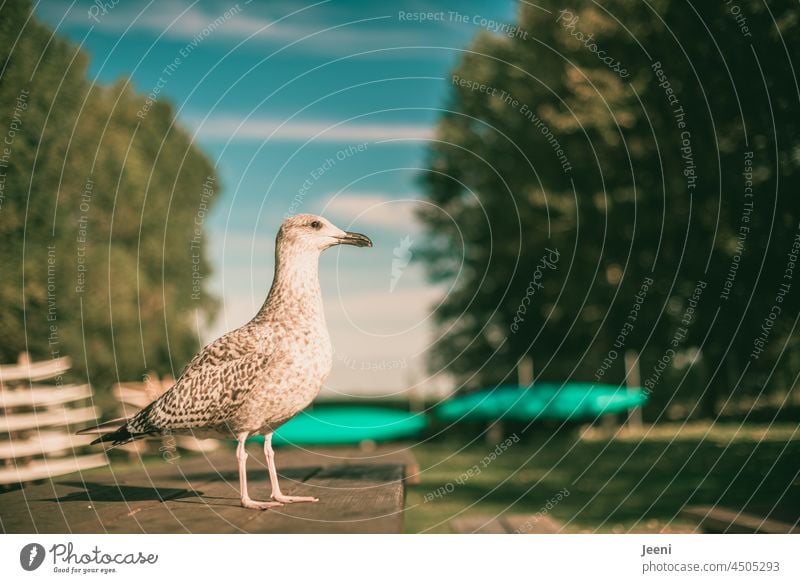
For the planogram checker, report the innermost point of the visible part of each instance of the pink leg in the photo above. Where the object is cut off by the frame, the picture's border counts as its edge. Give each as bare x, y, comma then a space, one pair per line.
273, 477
241, 456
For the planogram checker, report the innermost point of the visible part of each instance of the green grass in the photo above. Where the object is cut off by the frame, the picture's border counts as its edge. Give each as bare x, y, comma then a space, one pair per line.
615, 485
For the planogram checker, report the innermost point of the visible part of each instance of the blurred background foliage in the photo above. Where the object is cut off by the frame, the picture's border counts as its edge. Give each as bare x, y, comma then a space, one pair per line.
626, 211
622, 211
90, 162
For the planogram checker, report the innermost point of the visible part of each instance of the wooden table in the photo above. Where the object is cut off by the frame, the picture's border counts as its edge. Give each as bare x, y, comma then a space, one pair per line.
359, 492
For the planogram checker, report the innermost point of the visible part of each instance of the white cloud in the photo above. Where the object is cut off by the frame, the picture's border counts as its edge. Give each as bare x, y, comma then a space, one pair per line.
226, 127
374, 209
312, 26
180, 20
226, 24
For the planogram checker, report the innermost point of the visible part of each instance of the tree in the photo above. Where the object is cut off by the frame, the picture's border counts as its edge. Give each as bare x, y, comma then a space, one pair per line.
101, 206
619, 136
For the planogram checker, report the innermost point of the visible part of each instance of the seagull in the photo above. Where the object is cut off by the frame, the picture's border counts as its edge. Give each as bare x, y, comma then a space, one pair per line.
257, 377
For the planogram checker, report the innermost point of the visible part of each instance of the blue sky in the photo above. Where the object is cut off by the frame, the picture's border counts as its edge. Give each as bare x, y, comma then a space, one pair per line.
322, 108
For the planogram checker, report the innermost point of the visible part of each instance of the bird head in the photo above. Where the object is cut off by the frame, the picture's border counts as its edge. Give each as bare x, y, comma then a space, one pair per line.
315, 233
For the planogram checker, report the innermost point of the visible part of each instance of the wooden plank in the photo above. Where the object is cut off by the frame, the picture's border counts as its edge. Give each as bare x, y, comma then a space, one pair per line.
93, 501
43, 396
57, 417
201, 494
132, 395
725, 520
194, 444
477, 525
176, 499
391, 454
46, 468
34, 371
215, 508
352, 499
531, 524
144, 392
42, 443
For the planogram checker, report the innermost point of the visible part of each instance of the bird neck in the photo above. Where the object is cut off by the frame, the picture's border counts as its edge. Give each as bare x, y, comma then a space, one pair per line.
295, 287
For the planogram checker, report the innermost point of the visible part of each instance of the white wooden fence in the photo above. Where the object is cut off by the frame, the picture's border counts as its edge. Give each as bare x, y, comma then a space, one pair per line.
38, 422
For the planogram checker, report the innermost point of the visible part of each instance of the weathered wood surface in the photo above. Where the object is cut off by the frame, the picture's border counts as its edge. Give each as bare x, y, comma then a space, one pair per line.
394, 454
358, 493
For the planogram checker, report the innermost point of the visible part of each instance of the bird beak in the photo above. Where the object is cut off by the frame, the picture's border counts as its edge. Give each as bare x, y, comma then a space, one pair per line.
356, 239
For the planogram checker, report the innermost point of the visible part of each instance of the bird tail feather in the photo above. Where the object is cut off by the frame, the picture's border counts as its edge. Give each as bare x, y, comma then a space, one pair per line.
116, 431
102, 428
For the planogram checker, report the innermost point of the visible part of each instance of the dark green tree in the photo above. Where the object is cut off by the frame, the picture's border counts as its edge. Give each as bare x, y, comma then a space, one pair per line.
98, 215
618, 135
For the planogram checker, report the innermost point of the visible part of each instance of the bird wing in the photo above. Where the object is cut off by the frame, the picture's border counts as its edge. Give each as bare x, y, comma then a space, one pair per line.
211, 389
232, 346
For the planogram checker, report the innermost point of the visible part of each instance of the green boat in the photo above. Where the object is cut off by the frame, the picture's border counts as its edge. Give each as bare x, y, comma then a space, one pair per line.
348, 425
542, 401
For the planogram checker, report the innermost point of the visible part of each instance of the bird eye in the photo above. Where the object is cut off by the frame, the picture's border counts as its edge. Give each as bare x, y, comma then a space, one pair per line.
316, 225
